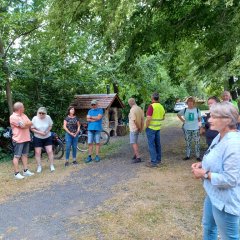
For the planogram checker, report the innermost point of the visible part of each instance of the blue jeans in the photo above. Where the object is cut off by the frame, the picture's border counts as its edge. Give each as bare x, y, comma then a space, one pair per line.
215, 221
71, 142
154, 145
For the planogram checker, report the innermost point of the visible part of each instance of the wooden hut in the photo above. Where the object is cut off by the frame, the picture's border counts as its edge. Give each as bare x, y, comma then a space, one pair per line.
110, 103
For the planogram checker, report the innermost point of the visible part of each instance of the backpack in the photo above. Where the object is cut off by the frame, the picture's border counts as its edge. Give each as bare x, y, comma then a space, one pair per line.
186, 109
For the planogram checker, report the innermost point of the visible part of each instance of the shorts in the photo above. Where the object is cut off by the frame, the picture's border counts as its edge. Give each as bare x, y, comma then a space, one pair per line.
42, 142
134, 137
94, 136
20, 149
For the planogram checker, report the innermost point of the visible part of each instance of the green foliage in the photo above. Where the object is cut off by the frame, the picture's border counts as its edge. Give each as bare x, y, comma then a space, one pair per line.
55, 49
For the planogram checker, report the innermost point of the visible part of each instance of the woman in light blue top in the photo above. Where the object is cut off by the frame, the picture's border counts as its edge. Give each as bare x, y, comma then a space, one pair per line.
191, 118
220, 171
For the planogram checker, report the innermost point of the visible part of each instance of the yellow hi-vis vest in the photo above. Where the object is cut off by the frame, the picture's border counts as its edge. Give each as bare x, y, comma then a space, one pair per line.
157, 117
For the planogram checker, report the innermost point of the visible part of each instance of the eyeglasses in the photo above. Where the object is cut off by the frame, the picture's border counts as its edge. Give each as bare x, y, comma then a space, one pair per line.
42, 113
93, 104
209, 150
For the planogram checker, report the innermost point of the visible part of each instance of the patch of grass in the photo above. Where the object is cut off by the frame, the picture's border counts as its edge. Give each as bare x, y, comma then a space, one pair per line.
161, 204
11, 187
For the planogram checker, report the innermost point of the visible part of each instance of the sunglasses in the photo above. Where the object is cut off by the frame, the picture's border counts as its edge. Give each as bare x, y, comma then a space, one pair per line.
42, 113
93, 104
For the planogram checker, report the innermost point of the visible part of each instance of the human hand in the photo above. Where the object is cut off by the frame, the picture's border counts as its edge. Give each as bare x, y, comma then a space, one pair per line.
21, 124
198, 172
197, 165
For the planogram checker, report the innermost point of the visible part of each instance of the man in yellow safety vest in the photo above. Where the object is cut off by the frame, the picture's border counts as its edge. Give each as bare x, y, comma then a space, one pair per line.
155, 116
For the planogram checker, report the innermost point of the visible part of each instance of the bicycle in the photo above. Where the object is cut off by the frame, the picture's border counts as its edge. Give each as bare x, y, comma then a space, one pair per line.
83, 138
58, 147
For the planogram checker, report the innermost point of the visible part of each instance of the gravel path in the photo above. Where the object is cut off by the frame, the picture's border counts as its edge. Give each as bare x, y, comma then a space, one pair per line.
44, 214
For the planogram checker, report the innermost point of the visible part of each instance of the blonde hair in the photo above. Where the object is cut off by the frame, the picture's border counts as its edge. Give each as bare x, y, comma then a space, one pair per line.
225, 110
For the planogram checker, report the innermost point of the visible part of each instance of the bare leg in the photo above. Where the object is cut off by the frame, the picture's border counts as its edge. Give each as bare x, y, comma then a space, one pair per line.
136, 149
50, 153
38, 151
97, 148
15, 164
25, 161
90, 149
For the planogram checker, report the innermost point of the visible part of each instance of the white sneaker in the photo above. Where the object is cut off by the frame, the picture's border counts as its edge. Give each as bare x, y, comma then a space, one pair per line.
19, 176
52, 168
39, 169
27, 173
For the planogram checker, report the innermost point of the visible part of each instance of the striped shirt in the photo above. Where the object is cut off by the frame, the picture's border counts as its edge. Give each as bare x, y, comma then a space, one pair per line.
222, 159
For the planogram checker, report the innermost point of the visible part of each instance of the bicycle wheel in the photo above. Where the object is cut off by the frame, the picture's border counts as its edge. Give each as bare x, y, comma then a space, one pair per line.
104, 137
82, 143
58, 149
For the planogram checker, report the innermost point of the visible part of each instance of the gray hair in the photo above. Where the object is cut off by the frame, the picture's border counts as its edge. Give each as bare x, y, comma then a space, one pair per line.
225, 110
17, 106
226, 93
42, 109
131, 101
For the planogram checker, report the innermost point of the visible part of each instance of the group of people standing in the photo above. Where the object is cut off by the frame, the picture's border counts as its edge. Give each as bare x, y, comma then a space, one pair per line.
219, 169
41, 126
154, 117
194, 124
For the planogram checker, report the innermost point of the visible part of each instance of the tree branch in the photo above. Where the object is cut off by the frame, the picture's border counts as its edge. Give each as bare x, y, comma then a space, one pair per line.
20, 35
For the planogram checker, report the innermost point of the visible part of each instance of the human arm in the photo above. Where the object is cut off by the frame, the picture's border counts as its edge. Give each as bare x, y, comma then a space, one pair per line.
181, 116
78, 129
66, 129
229, 177
149, 115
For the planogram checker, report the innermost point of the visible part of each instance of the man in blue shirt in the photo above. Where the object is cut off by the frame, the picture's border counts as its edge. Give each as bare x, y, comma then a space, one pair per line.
94, 119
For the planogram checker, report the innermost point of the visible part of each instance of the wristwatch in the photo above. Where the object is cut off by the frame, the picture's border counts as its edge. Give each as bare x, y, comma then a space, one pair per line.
205, 176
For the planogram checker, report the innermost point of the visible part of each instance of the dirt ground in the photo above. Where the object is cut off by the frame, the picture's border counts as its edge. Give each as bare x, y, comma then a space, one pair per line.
112, 199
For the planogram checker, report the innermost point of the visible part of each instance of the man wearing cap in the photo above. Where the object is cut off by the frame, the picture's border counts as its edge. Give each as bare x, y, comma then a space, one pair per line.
136, 124
155, 116
94, 119
20, 125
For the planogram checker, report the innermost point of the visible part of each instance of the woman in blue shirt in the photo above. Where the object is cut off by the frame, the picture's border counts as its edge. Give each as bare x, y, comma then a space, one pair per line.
220, 171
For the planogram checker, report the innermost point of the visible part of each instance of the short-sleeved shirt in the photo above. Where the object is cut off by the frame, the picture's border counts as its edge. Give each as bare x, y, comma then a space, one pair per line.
72, 124
191, 117
97, 125
42, 125
136, 115
20, 135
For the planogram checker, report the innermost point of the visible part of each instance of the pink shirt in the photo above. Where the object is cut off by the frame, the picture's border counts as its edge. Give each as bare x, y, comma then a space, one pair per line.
20, 135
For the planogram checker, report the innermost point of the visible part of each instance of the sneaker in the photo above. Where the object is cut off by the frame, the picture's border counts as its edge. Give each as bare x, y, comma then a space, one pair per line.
19, 176
27, 173
137, 160
88, 160
199, 159
52, 168
97, 159
150, 165
66, 164
186, 158
75, 162
39, 169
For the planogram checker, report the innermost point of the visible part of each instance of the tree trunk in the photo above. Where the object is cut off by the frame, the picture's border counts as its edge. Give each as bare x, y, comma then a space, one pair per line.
4, 69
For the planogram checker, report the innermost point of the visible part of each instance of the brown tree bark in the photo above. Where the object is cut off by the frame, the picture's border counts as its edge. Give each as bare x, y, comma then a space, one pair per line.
4, 70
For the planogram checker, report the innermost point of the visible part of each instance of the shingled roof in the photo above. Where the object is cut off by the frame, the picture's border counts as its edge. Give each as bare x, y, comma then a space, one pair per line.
104, 101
